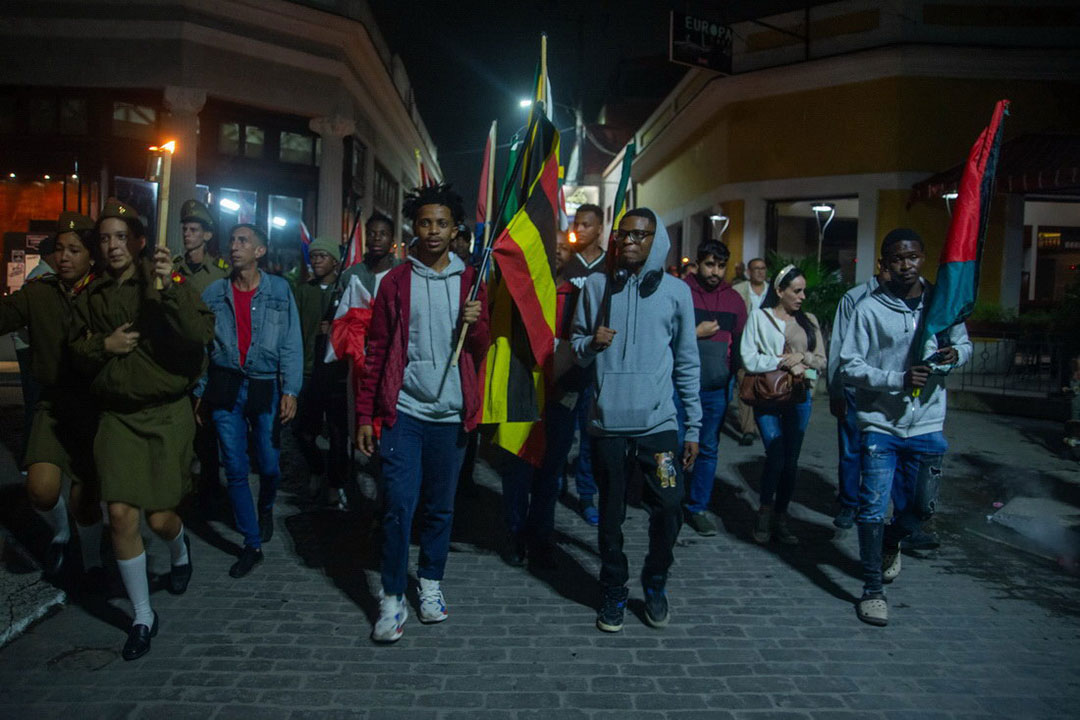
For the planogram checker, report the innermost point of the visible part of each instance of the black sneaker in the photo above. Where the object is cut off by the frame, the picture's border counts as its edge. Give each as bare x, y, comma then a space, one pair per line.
515, 551
845, 518
266, 525
702, 524
613, 609
747, 439
922, 540
782, 531
249, 558
656, 607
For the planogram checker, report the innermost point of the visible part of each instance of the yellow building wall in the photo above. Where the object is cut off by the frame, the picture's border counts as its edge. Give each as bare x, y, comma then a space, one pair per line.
887, 125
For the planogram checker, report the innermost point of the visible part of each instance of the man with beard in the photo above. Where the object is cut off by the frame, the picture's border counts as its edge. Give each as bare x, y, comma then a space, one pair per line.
720, 314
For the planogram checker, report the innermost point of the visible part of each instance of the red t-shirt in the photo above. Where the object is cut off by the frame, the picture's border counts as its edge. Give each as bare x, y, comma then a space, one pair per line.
242, 303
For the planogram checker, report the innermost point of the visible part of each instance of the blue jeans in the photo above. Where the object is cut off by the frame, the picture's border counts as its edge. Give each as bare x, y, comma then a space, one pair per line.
233, 428
909, 471
782, 431
849, 438
420, 462
699, 489
529, 493
583, 473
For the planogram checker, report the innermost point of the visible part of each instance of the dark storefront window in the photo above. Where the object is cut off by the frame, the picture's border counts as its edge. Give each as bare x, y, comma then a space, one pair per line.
73, 117
134, 121
254, 141
229, 139
386, 191
296, 148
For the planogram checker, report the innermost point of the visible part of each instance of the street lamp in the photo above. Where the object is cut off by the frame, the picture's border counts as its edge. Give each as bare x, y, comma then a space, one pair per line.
824, 214
524, 103
723, 221
948, 198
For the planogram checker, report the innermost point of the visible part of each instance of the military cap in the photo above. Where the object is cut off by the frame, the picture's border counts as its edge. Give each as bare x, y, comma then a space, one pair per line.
326, 245
195, 211
73, 222
116, 209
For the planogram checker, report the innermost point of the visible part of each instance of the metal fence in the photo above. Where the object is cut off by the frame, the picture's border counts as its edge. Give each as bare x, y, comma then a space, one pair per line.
1024, 364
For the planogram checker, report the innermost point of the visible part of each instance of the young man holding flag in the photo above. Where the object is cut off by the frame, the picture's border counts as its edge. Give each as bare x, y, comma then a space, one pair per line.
425, 403
900, 404
378, 260
636, 329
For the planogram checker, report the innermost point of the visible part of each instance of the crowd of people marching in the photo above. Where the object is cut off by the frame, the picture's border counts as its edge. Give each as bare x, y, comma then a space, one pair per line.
141, 362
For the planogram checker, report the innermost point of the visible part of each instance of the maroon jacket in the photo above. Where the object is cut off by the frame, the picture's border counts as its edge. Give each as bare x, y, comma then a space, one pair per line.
388, 344
728, 309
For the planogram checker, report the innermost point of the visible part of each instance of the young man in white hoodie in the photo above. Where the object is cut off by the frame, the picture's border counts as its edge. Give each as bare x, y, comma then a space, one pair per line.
900, 403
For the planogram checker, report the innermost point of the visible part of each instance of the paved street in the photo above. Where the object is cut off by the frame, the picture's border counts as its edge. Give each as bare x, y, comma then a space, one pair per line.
977, 629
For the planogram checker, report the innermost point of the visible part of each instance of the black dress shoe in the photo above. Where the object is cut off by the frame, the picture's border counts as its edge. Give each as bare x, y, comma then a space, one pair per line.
138, 642
266, 525
54, 559
249, 558
180, 575
747, 439
515, 552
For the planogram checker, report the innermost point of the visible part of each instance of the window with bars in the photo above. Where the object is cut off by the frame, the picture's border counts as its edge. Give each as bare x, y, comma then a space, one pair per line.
134, 121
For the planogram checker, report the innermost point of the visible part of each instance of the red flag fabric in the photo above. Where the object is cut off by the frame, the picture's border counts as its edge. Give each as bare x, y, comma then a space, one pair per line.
481, 197
348, 332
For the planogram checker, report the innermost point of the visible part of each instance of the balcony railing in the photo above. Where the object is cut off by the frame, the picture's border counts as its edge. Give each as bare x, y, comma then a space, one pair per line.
1014, 363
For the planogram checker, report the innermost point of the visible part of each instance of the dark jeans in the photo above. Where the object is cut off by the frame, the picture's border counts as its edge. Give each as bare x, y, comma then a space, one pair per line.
714, 404
782, 431
530, 493
583, 469
233, 428
421, 462
913, 464
660, 459
323, 400
850, 446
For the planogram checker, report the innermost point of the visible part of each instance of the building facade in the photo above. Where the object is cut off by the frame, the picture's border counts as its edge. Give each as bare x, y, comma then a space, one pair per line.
852, 109
282, 113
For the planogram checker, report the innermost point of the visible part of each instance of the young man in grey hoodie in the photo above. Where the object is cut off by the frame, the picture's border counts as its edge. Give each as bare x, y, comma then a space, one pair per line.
900, 403
636, 329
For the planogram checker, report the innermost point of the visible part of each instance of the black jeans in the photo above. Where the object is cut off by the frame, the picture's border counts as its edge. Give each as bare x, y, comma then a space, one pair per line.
323, 398
660, 459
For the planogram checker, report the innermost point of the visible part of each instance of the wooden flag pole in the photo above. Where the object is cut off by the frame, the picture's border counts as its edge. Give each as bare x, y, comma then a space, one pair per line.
487, 225
543, 71
166, 152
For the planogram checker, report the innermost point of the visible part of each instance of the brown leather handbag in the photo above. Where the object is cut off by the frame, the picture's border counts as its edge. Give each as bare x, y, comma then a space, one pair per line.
772, 389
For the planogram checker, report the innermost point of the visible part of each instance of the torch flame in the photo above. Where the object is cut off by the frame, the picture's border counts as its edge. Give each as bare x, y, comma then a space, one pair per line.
169, 147
572, 238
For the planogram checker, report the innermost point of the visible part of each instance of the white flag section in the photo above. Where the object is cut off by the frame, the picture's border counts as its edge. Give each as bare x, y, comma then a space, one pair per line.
348, 332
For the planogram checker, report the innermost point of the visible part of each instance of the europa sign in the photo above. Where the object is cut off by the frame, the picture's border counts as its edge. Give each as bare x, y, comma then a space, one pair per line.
699, 42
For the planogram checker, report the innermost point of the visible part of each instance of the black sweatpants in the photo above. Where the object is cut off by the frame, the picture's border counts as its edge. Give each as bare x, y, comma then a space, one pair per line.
660, 459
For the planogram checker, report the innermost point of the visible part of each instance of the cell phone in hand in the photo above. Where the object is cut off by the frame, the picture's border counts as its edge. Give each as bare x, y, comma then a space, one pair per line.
937, 358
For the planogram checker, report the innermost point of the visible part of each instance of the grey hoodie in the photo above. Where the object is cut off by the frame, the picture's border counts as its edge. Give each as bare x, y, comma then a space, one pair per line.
876, 353
431, 389
655, 346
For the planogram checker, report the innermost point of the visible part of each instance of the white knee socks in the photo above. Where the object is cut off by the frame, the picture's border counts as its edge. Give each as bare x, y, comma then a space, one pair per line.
133, 573
178, 548
90, 542
57, 520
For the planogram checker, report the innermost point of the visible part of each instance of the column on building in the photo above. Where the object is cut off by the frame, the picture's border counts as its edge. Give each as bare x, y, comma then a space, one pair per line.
181, 123
332, 130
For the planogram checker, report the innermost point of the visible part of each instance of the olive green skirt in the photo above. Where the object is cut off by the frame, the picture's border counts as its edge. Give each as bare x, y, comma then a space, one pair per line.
144, 457
62, 434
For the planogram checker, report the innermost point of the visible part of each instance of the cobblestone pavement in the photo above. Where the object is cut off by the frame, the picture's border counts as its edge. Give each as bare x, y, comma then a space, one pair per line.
977, 629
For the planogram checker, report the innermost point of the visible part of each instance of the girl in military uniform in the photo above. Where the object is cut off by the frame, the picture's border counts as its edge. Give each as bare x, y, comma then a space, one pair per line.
62, 433
146, 348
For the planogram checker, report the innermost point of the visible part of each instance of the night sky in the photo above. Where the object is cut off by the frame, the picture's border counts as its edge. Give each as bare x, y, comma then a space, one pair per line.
470, 61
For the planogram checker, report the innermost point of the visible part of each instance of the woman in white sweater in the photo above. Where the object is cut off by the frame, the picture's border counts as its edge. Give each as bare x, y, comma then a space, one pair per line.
780, 336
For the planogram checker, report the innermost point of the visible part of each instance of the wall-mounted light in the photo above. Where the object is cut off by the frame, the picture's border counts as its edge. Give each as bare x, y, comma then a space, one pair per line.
11, 175
720, 223
278, 221
229, 204
48, 177
523, 103
948, 198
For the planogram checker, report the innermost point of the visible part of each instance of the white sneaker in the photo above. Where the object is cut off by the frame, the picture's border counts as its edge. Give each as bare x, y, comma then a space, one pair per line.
432, 603
392, 615
890, 565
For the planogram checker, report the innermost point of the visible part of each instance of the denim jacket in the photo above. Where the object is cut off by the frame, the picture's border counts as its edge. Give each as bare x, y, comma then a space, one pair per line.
277, 349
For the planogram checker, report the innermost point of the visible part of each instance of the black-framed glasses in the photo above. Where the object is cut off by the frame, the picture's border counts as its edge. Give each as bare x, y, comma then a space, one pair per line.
635, 236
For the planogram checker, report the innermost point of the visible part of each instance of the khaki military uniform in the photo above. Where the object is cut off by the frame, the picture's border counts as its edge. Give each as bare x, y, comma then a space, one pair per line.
200, 276
143, 447
65, 419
